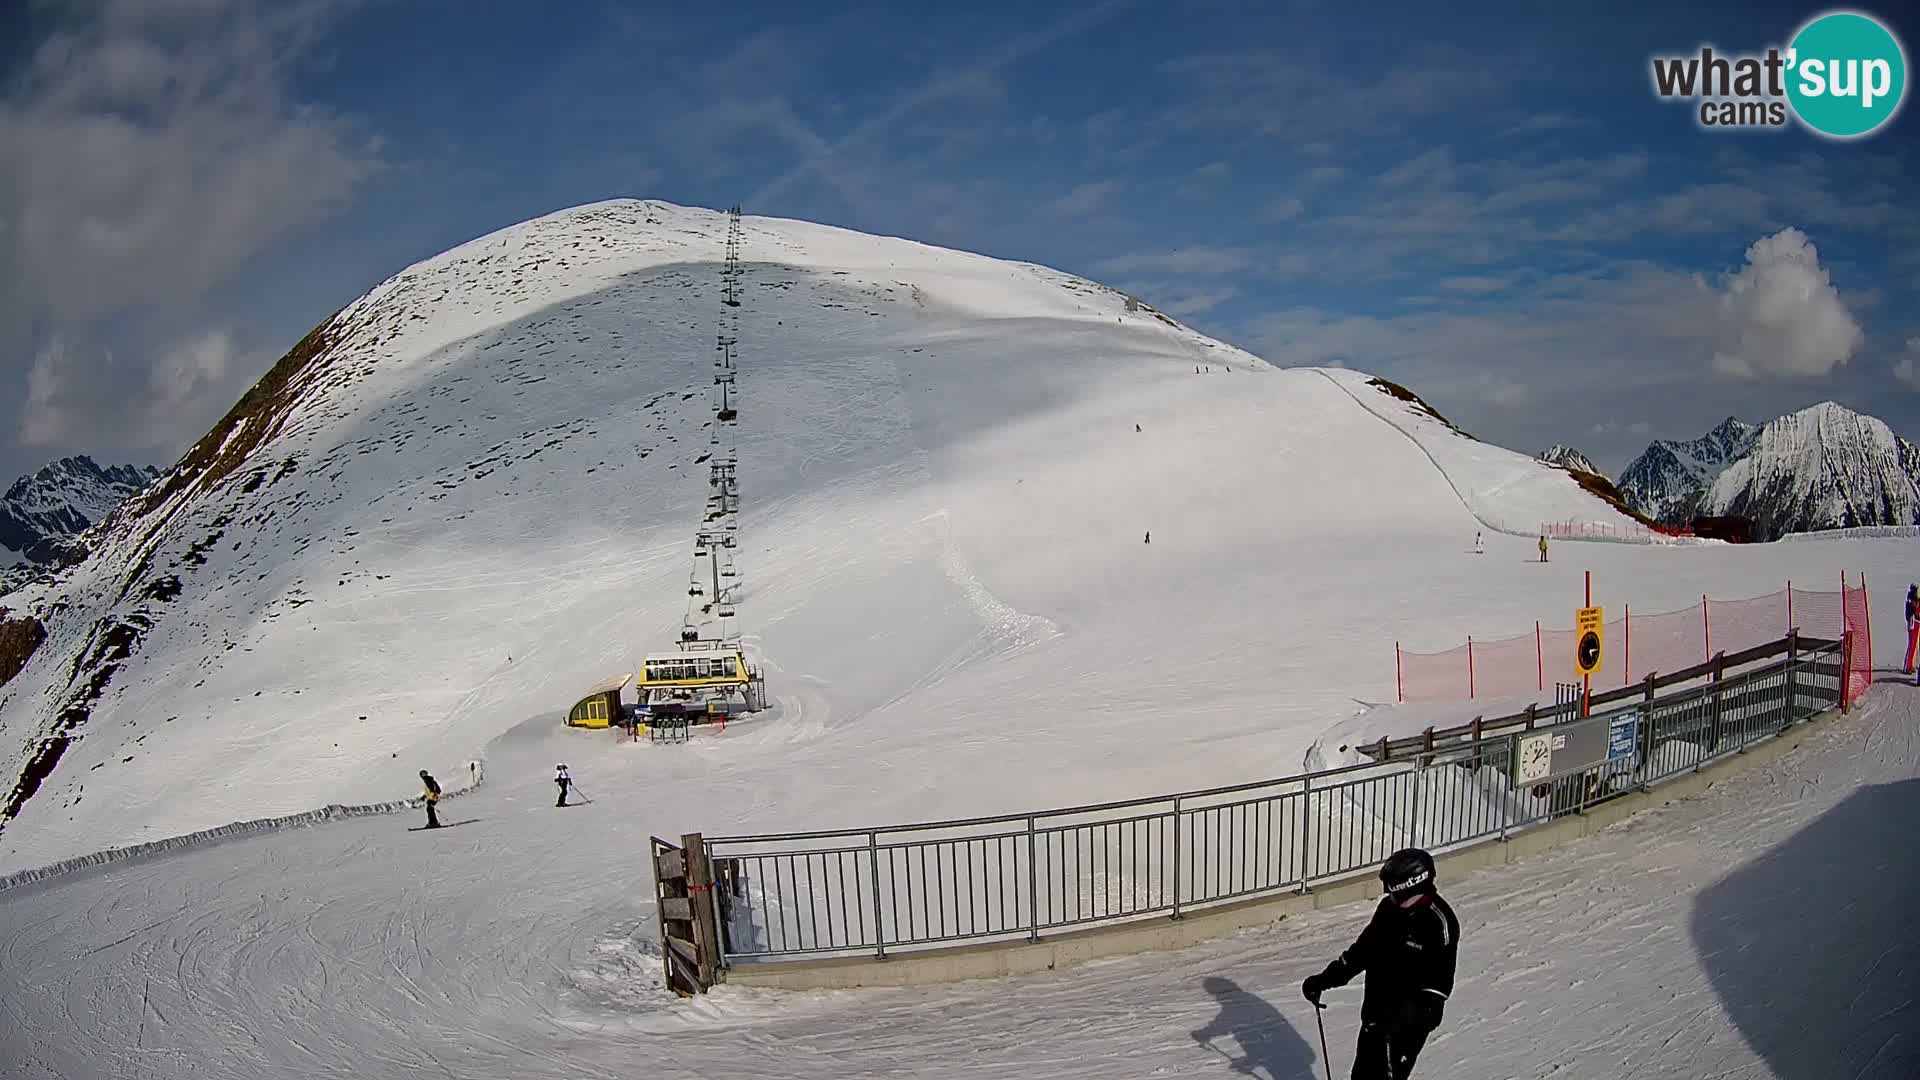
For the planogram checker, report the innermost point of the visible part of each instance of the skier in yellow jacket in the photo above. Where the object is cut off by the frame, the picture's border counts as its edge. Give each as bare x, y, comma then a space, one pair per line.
432, 796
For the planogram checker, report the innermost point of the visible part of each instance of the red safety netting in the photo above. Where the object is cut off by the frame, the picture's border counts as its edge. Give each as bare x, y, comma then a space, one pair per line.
1636, 645
1859, 622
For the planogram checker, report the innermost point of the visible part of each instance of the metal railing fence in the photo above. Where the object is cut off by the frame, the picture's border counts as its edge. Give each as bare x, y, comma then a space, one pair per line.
1016, 877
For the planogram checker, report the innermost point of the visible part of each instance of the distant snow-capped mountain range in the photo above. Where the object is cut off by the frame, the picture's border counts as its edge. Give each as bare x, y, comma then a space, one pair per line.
43, 514
1822, 467
1568, 458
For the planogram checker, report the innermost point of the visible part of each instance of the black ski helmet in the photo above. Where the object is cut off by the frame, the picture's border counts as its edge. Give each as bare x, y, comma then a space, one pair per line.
1407, 872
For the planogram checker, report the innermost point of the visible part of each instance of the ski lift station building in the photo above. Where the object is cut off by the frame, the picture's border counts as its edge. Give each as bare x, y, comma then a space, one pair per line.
716, 682
601, 707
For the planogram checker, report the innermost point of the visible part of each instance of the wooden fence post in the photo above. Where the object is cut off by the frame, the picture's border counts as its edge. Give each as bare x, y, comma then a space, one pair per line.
706, 929
678, 934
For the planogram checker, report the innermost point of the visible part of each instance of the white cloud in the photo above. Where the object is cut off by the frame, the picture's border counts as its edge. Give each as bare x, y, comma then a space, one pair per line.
1084, 199
1285, 208
1907, 370
43, 421
1201, 260
85, 397
1433, 168
1473, 284
1781, 316
1214, 170
1196, 301
153, 149
1615, 427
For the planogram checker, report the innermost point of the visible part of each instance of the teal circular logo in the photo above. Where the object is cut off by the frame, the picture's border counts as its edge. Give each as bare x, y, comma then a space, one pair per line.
1847, 74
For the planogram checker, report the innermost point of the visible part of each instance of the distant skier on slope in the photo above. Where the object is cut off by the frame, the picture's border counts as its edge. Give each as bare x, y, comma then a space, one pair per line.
1478, 548
432, 796
563, 780
1407, 951
1913, 626
1543, 547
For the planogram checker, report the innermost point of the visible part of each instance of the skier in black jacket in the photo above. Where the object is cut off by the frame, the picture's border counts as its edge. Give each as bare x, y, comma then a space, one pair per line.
1407, 952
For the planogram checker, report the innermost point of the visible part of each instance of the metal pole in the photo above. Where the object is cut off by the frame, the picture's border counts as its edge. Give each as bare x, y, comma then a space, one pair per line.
1176, 856
1539, 659
1324, 1059
879, 928
1399, 686
1306, 811
1586, 681
1469, 667
1033, 885
1706, 625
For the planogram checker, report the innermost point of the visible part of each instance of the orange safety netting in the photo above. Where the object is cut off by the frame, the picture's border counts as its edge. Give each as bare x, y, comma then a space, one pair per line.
1636, 645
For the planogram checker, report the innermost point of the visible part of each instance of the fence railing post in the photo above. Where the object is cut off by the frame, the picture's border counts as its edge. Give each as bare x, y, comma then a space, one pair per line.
1413, 804
1306, 844
879, 928
1513, 789
1033, 883
1176, 856
1793, 677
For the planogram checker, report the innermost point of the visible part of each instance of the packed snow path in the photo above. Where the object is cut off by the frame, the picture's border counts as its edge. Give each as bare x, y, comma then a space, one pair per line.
1759, 930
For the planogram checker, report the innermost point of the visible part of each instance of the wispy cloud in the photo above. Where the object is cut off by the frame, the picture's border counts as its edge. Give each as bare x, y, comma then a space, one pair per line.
1197, 260
1284, 208
1907, 368
1084, 199
1542, 122
1472, 284
153, 150
1432, 167
822, 156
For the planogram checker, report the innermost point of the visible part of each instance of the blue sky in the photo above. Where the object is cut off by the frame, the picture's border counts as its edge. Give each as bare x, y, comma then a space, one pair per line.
1491, 206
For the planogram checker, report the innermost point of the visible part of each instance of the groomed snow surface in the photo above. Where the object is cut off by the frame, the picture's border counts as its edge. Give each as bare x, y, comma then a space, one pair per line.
945, 503
1762, 929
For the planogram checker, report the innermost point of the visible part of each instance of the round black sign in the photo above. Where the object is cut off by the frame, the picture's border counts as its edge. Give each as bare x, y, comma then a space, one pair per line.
1589, 650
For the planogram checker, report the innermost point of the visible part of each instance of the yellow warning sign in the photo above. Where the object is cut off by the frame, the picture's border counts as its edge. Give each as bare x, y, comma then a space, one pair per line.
1589, 640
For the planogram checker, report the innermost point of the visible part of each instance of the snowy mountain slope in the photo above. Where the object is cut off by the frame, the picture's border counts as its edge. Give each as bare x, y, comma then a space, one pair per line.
1505, 491
1823, 467
43, 514
1668, 479
471, 494
1569, 458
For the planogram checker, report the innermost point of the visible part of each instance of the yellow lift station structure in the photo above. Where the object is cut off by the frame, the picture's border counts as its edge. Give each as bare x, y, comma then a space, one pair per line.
601, 707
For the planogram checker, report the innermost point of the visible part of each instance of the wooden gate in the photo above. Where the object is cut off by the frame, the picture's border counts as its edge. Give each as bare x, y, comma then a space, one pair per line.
689, 921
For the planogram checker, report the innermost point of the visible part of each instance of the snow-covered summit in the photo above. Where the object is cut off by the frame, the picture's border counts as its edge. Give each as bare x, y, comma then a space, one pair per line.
1667, 481
975, 493
1823, 467
1569, 458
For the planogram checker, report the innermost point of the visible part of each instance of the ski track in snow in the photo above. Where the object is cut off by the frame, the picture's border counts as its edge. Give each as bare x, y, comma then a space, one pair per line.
1751, 931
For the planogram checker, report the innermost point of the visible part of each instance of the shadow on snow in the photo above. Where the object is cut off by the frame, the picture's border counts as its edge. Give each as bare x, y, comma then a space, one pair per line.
1813, 948
1269, 1047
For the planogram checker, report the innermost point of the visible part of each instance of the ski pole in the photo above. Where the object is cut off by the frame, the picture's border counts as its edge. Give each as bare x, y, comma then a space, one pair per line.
1325, 1061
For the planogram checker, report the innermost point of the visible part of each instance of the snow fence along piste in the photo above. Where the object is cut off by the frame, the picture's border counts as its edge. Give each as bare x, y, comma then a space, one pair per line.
233, 831
1529, 665
1018, 877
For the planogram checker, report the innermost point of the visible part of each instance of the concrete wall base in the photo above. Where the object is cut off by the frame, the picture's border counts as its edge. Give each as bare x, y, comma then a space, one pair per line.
999, 959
